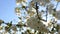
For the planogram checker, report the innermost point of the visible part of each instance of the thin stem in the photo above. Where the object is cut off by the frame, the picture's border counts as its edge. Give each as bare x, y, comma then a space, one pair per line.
46, 13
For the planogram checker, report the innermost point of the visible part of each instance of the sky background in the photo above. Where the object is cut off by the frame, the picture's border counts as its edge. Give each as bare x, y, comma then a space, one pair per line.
7, 10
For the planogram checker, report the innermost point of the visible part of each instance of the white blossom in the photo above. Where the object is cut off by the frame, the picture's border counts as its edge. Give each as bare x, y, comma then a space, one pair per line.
34, 24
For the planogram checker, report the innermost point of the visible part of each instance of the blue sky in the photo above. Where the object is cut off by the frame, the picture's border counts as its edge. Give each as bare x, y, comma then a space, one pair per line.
7, 8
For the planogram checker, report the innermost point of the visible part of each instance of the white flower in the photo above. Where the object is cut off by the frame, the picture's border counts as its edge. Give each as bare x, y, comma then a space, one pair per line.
34, 24
41, 2
50, 7
17, 9
24, 4
18, 2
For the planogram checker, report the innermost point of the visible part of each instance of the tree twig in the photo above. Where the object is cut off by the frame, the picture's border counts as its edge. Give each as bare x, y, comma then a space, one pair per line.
38, 13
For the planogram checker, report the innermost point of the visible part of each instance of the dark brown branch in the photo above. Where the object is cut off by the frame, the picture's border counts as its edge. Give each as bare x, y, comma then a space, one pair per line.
46, 13
38, 13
